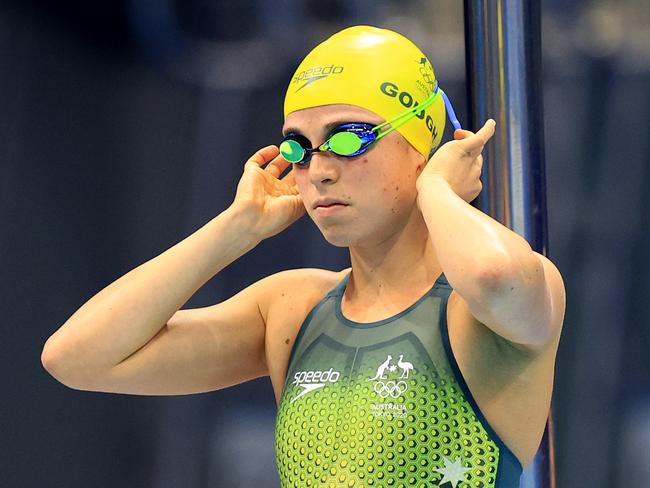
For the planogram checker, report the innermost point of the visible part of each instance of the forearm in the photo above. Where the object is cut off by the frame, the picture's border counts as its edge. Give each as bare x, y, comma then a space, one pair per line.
477, 253
125, 315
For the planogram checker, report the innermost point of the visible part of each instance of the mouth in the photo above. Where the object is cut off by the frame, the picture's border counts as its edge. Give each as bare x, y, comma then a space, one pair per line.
326, 207
329, 204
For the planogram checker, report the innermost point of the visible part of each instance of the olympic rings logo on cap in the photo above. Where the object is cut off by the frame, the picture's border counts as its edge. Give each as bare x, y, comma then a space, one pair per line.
390, 388
426, 71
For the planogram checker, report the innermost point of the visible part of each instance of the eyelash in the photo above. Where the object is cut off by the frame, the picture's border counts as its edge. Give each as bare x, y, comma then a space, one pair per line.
298, 136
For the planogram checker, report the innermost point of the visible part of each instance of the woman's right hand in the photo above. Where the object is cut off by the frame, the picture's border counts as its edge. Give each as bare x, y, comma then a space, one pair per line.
268, 204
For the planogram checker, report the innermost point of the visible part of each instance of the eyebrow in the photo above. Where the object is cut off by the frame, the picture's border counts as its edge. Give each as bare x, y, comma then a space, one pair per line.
328, 127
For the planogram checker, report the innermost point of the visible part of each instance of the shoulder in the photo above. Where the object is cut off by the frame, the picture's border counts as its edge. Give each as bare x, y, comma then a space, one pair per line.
285, 300
296, 287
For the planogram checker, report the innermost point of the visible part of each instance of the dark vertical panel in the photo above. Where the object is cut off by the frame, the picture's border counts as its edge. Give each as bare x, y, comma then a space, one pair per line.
91, 148
503, 42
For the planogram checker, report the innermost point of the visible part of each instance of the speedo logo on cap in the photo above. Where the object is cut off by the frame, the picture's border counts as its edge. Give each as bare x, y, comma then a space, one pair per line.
314, 74
313, 380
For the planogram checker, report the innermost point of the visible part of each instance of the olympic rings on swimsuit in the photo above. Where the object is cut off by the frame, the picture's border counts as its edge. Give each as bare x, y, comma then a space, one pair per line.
390, 388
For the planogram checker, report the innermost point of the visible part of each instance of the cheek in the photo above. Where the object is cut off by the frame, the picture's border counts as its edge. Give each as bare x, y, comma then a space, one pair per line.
300, 176
371, 173
398, 191
385, 192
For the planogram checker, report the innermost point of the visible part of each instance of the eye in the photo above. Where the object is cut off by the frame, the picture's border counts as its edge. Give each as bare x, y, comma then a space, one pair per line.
299, 138
345, 143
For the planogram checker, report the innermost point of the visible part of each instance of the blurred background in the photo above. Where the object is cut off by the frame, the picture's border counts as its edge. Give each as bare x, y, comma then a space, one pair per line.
124, 127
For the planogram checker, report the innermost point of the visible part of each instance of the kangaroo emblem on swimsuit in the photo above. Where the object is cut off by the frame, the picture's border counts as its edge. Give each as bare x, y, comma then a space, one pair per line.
405, 365
380, 370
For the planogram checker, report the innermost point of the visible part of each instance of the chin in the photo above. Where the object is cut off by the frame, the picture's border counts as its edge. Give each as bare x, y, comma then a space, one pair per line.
350, 235
338, 239
336, 235
340, 243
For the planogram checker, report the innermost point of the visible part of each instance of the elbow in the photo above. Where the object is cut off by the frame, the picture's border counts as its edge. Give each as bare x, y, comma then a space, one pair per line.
504, 273
495, 275
54, 363
516, 302
48, 360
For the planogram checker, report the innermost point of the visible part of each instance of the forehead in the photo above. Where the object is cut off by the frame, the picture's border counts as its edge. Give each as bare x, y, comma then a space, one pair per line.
315, 118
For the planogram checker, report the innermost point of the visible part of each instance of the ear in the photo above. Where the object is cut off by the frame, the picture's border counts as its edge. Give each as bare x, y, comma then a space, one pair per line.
420, 162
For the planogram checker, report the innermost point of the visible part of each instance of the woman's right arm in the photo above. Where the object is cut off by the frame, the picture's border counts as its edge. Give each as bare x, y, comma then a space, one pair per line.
131, 337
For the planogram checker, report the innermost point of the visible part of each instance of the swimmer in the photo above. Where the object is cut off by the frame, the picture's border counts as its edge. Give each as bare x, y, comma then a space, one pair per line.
428, 362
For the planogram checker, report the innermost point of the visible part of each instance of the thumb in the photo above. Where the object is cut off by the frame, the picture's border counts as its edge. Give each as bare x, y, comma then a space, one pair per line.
487, 131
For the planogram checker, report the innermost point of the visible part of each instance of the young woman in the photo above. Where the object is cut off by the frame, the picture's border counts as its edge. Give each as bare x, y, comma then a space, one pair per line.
429, 362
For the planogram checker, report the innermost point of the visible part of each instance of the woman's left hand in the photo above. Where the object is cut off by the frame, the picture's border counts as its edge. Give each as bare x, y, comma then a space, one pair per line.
459, 162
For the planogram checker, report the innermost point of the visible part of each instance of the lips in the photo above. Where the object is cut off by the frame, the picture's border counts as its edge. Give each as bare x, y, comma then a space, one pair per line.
328, 202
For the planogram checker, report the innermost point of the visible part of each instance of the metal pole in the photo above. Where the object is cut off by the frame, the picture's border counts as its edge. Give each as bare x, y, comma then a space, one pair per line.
503, 53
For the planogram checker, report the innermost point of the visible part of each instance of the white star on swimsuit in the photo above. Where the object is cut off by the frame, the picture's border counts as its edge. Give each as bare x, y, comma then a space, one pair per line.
453, 472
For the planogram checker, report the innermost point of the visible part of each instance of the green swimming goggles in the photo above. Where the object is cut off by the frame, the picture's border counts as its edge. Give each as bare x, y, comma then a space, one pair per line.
351, 139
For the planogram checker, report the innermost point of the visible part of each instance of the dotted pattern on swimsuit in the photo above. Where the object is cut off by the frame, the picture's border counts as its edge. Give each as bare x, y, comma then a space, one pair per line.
334, 437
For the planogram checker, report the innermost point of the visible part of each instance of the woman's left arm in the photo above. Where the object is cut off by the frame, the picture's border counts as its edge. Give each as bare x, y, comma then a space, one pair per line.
514, 291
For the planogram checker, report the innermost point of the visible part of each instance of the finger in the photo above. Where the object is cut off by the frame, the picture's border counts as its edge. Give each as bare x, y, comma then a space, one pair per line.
277, 166
290, 179
474, 143
263, 155
487, 131
471, 146
460, 134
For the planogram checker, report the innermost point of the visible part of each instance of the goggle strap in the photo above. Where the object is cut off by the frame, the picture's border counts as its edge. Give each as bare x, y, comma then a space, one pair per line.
450, 111
408, 115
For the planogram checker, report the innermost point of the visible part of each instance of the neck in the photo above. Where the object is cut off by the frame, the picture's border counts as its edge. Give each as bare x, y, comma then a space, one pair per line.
402, 264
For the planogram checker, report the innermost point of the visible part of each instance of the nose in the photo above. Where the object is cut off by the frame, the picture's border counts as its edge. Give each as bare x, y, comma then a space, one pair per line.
323, 169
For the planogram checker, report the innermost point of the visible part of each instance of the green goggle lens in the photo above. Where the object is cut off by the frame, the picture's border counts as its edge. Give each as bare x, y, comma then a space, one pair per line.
292, 151
344, 143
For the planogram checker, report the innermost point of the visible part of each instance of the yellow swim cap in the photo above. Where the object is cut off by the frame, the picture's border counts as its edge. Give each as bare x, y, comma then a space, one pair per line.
375, 69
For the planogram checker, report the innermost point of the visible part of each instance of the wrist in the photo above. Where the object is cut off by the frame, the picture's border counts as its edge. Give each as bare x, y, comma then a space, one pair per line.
242, 226
428, 181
